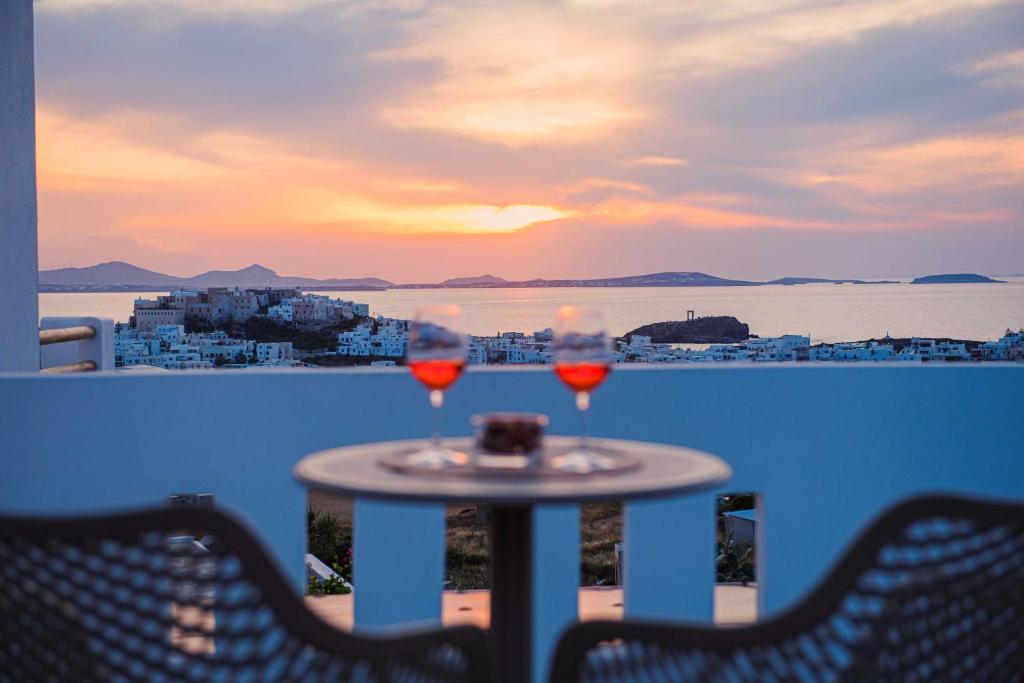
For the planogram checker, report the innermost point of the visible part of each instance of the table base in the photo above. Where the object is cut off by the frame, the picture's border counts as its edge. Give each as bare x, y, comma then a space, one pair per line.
511, 592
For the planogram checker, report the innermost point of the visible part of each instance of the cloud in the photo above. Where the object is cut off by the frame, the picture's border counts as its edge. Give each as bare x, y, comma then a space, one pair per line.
763, 38
349, 211
949, 162
422, 186
631, 212
591, 184
224, 9
232, 180
518, 75
1005, 69
655, 160
577, 73
84, 156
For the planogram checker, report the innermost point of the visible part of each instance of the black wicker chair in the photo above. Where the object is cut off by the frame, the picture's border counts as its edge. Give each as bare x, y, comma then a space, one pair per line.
932, 591
132, 598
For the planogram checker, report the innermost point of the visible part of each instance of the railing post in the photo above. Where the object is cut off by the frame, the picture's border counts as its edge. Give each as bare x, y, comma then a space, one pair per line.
98, 349
19, 264
669, 570
398, 555
556, 579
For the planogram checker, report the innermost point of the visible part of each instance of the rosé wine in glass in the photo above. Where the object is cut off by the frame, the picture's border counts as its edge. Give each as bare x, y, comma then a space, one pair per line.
436, 354
583, 358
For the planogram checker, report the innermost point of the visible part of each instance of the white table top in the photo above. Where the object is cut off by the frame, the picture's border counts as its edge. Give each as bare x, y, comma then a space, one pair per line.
664, 471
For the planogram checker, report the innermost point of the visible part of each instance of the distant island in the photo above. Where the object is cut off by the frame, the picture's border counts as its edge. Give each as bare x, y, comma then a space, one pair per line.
491, 280
118, 276
826, 281
955, 278
718, 329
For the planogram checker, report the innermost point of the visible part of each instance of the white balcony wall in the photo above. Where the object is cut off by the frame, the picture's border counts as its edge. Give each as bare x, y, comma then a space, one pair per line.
826, 447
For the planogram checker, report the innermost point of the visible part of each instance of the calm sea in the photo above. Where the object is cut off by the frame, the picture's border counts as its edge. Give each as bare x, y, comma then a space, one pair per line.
828, 313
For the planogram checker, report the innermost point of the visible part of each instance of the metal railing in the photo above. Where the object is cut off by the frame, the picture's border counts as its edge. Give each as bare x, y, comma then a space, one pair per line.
66, 334
60, 335
80, 366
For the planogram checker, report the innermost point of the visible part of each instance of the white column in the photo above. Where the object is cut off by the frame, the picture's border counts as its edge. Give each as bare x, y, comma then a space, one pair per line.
398, 551
556, 579
19, 269
669, 570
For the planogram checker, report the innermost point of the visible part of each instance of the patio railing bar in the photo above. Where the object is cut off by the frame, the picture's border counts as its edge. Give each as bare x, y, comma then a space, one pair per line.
81, 366
66, 334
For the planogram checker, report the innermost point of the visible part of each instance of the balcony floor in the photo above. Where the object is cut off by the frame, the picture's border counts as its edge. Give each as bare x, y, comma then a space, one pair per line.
734, 604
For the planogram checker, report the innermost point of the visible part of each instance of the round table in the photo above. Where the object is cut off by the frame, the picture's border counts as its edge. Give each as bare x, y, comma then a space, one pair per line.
663, 471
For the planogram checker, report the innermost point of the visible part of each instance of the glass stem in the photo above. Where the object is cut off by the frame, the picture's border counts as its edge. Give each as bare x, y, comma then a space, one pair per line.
436, 401
583, 405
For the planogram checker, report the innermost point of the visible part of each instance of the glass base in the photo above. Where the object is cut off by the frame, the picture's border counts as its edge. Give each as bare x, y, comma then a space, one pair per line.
582, 460
437, 458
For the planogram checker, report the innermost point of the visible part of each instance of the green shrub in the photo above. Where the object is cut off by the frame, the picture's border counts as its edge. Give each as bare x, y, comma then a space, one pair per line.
330, 542
331, 586
734, 562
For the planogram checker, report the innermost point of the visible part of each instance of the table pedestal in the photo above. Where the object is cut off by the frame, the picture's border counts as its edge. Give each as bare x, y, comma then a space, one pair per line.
511, 592
664, 471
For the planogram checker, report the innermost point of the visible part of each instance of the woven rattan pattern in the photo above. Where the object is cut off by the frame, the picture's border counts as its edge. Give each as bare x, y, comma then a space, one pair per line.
934, 591
134, 598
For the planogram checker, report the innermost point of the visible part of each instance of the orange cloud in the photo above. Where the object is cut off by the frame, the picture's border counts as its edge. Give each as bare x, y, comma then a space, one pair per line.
518, 75
947, 162
236, 183
590, 184
658, 161
565, 74
629, 211
361, 213
81, 156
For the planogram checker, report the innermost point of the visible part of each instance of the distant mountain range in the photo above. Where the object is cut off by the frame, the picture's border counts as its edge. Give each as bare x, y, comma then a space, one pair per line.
121, 276
650, 280
125, 276
667, 279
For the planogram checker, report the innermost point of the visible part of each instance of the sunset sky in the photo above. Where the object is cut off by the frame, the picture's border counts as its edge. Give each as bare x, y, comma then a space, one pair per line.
417, 141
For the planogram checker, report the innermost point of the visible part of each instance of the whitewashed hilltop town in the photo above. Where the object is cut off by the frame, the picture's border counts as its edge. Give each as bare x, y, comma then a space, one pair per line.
247, 328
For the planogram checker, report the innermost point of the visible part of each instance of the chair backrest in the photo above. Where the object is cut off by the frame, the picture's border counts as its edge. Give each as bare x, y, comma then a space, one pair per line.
933, 590
134, 598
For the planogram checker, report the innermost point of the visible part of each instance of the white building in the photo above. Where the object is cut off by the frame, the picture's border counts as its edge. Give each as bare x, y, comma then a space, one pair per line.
172, 334
1009, 347
477, 354
389, 341
282, 311
274, 353
871, 351
823, 352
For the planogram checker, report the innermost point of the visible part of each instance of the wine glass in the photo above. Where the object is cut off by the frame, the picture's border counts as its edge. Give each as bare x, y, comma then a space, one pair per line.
583, 359
436, 354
